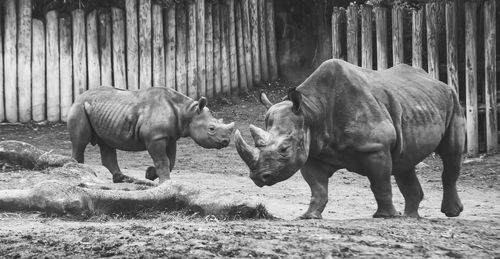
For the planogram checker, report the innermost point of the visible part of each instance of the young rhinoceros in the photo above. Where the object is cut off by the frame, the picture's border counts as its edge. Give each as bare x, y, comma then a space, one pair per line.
151, 119
375, 123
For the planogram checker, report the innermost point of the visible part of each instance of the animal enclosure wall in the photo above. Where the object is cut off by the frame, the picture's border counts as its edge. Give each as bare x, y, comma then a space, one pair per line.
463, 31
200, 48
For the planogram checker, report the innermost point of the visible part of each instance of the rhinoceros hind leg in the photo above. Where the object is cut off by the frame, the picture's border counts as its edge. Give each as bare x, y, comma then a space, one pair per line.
80, 132
108, 159
451, 205
412, 191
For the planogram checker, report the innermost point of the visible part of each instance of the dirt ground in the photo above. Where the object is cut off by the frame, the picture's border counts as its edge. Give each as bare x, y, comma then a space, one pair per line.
347, 229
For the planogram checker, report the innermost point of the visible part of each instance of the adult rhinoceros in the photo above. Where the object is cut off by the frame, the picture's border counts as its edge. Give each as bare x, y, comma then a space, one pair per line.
372, 123
151, 119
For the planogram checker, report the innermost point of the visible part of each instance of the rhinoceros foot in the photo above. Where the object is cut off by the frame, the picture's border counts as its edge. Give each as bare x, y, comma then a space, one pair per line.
452, 209
310, 216
151, 173
121, 178
387, 214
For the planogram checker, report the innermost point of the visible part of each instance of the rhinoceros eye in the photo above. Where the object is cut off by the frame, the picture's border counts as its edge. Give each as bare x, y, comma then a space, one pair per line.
283, 149
211, 128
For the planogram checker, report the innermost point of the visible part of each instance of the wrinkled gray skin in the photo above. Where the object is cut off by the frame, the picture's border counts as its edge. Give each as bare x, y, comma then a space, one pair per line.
374, 123
151, 119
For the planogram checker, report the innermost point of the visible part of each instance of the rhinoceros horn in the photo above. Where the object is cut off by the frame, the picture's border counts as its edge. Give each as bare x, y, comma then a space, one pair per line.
248, 153
260, 136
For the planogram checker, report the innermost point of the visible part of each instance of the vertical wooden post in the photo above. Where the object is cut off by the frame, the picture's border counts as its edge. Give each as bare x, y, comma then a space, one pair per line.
264, 68
490, 80
451, 43
336, 36
79, 53
118, 39
366, 37
158, 47
145, 65
200, 40
271, 38
233, 62
209, 50
352, 34
471, 76
217, 48
93, 51
10, 59
432, 39
192, 52
65, 71
132, 45
180, 48
247, 41
381, 23
2, 87
105, 48
224, 22
24, 61
38, 75
254, 32
53, 82
170, 48
241, 51
416, 40
397, 36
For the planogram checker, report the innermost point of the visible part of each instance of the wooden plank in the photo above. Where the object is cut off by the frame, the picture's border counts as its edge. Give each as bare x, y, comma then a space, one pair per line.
79, 52
10, 59
24, 60
180, 48
271, 39
38, 69
158, 47
264, 67
118, 42
471, 77
336, 36
224, 23
94, 69
192, 52
490, 80
170, 47
366, 37
53, 82
397, 36
65, 71
233, 57
247, 41
431, 10
209, 48
2, 87
145, 56
132, 44
254, 33
200, 40
217, 47
381, 34
352, 34
105, 48
416, 40
239, 47
451, 43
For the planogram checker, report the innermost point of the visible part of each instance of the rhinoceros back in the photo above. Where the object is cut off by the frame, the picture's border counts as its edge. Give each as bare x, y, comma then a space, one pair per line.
113, 117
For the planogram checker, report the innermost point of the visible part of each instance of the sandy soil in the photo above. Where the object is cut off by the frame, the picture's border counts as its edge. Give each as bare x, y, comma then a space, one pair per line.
347, 229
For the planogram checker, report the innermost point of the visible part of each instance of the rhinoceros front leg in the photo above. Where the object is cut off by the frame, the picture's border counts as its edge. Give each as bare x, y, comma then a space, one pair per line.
378, 167
158, 151
316, 175
171, 153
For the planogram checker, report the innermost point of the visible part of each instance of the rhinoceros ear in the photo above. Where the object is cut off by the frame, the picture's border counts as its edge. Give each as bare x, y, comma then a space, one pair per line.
265, 101
201, 104
296, 98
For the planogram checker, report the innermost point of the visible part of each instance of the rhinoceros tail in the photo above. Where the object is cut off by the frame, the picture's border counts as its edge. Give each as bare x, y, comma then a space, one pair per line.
87, 108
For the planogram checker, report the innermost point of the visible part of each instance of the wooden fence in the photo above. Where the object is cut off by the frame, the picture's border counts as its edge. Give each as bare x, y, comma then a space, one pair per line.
377, 23
200, 48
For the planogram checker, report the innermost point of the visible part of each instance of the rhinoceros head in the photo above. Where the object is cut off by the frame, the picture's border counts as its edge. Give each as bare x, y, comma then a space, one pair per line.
281, 149
206, 130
